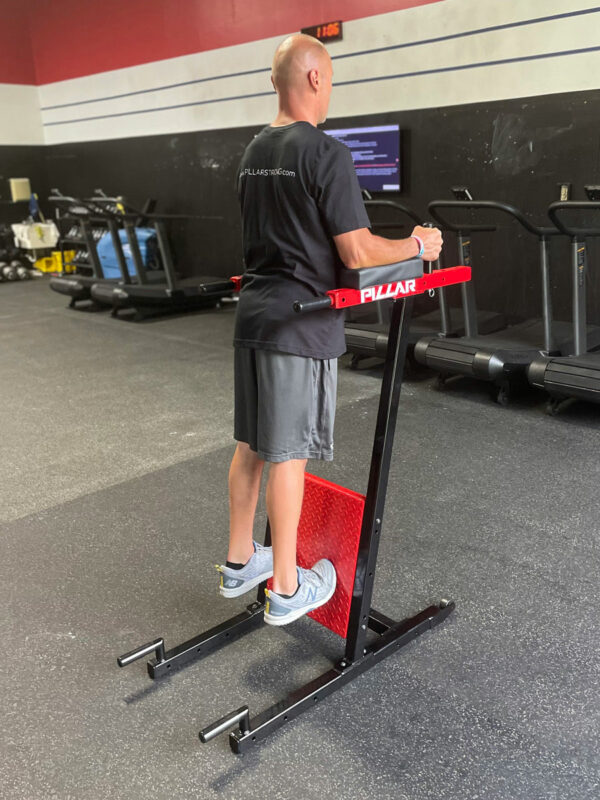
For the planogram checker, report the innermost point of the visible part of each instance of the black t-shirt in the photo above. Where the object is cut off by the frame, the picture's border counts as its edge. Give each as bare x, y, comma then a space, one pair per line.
298, 188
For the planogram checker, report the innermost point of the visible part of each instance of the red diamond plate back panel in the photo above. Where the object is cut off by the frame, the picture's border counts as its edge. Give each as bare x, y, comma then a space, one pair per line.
329, 527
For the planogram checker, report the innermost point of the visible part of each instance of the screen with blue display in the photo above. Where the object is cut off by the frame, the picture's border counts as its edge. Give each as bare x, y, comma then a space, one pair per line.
376, 155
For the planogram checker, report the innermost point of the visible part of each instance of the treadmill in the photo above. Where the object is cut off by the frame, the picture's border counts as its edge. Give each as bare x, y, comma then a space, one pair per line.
500, 358
172, 293
575, 375
368, 338
87, 214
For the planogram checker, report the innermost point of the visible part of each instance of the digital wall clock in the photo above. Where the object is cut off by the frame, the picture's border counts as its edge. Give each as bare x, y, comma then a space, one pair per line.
326, 32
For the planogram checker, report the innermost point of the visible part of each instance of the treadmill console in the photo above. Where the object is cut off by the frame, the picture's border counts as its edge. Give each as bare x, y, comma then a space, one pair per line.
461, 193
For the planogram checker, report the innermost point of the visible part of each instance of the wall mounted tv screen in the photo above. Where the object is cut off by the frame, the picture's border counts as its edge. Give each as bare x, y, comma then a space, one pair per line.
376, 155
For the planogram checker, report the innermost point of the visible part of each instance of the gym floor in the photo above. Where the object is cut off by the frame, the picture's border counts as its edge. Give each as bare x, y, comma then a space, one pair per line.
116, 442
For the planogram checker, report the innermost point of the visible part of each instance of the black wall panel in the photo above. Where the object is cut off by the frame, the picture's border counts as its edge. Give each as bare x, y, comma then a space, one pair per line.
514, 150
187, 173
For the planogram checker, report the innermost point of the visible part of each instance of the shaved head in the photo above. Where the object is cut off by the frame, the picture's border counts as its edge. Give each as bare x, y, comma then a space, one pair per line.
301, 75
295, 58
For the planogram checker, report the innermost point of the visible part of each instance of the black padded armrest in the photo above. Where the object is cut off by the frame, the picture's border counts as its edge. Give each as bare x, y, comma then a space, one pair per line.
388, 273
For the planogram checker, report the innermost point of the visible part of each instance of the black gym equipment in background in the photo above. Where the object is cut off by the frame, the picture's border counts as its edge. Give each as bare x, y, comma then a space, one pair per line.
367, 338
500, 358
170, 293
577, 374
93, 221
148, 292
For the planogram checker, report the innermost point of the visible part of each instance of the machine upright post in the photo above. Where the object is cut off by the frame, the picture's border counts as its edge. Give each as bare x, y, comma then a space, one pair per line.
579, 310
466, 289
90, 242
135, 252
118, 248
165, 252
445, 318
360, 607
546, 296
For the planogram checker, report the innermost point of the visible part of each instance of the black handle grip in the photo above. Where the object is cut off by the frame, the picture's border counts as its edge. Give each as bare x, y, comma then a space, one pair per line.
157, 647
242, 715
217, 287
479, 205
570, 205
403, 209
300, 306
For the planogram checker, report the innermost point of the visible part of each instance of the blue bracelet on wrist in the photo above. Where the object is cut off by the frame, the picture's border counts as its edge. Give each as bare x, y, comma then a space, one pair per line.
419, 241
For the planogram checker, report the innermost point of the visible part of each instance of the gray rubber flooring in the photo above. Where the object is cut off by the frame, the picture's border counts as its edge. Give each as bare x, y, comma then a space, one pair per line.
115, 446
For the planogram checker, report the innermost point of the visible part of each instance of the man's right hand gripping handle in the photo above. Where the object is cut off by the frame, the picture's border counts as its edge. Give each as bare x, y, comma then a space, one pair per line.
432, 242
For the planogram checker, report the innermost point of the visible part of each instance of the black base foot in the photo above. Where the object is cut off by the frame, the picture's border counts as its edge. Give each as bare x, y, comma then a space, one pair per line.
393, 636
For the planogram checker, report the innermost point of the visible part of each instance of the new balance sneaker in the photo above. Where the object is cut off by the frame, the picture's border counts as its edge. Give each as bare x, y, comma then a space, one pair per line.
235, 582
315, 588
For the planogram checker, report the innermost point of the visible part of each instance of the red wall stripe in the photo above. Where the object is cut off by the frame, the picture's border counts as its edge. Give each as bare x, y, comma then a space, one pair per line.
71, 38
16, 62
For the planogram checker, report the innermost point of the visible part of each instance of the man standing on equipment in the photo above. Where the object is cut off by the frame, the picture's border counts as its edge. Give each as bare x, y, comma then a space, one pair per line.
303, 220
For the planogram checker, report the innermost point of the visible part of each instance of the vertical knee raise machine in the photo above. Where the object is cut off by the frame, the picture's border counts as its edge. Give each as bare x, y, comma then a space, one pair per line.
335, 523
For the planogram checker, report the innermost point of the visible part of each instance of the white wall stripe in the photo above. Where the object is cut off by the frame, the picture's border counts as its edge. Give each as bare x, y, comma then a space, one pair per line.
505, 28
352, 82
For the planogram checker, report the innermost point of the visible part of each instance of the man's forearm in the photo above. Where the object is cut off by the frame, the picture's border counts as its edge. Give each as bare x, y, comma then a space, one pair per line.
375, 251
359, 248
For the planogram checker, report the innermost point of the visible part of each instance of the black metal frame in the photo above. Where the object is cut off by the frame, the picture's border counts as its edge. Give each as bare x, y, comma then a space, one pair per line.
359, 655
578, 236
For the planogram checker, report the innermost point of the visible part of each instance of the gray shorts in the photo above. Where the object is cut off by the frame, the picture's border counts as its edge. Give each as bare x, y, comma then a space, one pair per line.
284, 404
